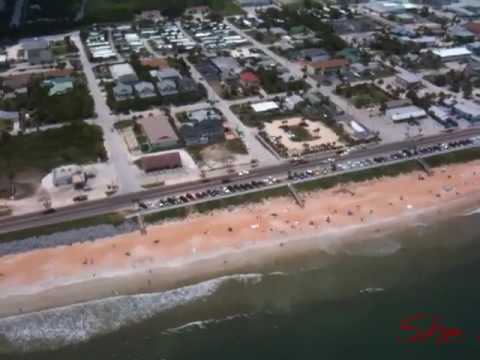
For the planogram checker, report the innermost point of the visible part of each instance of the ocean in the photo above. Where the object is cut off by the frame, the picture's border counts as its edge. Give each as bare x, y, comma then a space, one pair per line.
358, 304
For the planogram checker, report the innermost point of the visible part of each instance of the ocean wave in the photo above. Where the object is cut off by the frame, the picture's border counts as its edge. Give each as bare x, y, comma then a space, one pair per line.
56, 328
202, 324
472, 212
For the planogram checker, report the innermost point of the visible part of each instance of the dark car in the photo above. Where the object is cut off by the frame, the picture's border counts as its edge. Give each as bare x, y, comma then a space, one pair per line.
80, 198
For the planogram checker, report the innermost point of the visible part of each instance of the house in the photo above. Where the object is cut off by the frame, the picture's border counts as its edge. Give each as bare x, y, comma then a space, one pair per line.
452, 54
469, 110
159, 131
58, 86
405, 113
226, 67
254, 3
461, 34
63, 175
202, 127
474, 47
264, 106
124, 73
145, 89
407, 79
292, 101
157, 63
3, 61
168, 74
38, 52
249, 80
474, 28
472, 69
122, 92
167, 87
326, 67
313, 54
161, 162
187, 85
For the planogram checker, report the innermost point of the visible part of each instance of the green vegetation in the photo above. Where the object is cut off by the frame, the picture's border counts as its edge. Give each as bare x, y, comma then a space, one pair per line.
77, 143
460, 156
106, 219
181, 213
114, 10
76, 104
236, 146
299, 133
363, 95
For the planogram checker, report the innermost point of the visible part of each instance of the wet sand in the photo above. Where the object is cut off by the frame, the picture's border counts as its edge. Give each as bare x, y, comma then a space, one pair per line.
227, 241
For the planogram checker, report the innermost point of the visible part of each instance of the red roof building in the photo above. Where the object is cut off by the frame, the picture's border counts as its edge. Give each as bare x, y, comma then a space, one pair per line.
327, 66
161, 162
473, 27
249, 79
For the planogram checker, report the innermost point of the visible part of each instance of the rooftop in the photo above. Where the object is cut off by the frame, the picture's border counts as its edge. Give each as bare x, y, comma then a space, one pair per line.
157, 128
264, 106
451, 52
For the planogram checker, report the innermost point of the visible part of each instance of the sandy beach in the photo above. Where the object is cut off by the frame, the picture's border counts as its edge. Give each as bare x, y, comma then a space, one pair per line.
229, 240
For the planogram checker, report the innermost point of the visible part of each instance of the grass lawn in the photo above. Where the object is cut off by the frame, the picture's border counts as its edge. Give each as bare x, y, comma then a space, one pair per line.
77, 143
364, 95
236, 146
299, 133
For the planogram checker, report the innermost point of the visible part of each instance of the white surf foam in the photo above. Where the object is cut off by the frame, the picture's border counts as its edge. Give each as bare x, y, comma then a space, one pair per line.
55, 328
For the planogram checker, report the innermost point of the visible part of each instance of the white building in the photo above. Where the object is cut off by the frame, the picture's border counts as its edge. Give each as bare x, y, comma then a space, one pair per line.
264, 106
405, 113
124, 73
452, 54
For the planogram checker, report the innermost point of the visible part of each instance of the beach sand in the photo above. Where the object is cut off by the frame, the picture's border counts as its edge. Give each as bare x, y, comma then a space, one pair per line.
227, 241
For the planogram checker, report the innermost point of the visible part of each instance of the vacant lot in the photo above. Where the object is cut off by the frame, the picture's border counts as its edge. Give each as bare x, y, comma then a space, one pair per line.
363, 95
77, 143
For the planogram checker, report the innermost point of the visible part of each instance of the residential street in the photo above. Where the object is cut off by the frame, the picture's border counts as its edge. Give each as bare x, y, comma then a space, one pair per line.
127, 172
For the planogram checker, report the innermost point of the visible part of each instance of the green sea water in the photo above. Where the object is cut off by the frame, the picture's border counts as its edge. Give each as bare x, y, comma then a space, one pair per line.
343, 306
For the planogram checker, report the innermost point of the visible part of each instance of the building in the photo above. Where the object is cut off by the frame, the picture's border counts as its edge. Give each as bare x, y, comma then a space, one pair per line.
474, 28
254, 3
58, 86
226, 67
461, 35
159, 131
37, 52
124, 73
145, 90
472, 69
474, 47
157, 63
249, 80
63, 175
202, 127
468, 109
122, 92
453, 54
168, 74
161, 162
167, 87
313, 54
407, 79
327, 67
264, 106
405, 113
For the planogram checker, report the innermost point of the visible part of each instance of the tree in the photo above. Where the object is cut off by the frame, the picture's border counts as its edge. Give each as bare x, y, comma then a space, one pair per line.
467, 88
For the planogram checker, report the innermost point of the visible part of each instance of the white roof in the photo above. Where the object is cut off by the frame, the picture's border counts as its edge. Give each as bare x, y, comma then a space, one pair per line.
264, 106
456, 51
357, 127
405, 113
468, 107
120, 70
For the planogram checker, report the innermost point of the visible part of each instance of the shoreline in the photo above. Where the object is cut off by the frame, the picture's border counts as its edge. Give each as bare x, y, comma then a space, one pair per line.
38, 283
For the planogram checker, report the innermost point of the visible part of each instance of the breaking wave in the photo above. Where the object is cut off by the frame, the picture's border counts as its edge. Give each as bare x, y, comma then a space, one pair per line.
56, 328
202, 324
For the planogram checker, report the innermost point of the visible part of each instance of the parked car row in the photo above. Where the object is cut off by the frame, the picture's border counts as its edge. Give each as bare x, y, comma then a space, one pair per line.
305, 174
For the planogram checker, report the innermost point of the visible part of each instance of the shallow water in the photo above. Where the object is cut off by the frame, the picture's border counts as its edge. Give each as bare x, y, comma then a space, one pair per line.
340, 306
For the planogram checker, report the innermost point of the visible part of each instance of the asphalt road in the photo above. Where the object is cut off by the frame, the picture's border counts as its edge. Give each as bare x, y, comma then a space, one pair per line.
118, 202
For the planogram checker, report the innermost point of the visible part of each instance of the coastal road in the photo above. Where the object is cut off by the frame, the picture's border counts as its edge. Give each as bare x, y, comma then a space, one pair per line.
119, 202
